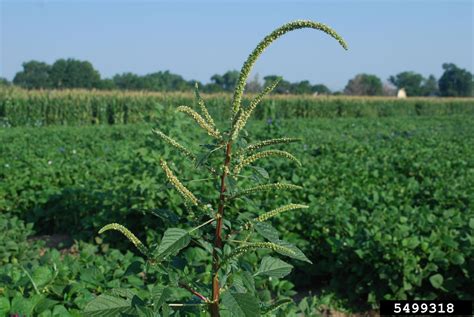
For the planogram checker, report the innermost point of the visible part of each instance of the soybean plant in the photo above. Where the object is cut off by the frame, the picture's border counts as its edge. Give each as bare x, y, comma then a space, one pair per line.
224, 231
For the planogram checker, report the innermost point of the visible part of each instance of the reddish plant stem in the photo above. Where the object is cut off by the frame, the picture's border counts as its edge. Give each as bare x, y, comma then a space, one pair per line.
214, 307
189, 289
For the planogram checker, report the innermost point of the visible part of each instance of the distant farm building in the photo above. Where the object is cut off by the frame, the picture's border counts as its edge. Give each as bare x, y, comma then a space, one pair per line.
401, 93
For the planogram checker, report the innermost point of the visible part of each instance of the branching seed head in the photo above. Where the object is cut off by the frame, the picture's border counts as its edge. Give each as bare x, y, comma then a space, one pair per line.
244, 115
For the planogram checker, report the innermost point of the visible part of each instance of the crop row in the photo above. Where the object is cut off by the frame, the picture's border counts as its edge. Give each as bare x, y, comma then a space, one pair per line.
75, 107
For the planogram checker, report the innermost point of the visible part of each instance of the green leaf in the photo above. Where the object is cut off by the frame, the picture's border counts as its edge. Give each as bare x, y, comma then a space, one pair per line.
123, 292
173, 240
4, 306
143, 311
24, 306
274, 267
260, 170
42, 275
165, 311
437, 280
267, 231
471, 223
106, 305
61, 311
271, 308
457, 259
159, 295
44, 305
298, 254
248, 281
134, 268
241, 305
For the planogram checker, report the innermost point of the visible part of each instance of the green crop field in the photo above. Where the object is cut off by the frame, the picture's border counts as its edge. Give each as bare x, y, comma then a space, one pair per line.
20, 107
389, 184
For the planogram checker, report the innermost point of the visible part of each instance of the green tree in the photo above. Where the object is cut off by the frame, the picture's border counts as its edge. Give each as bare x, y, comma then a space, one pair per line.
34, 75
364, 85
430, 86
284, 86
455, 81
128, 81
227, 81
412, 82
107, 84
302, 88
72, 73
212, 88
321, 89
166, 81
4, 82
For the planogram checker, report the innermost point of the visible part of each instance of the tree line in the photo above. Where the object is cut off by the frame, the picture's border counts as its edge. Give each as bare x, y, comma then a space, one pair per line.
73, 73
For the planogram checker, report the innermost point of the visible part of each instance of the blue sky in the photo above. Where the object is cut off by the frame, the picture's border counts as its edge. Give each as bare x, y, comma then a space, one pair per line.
197, 39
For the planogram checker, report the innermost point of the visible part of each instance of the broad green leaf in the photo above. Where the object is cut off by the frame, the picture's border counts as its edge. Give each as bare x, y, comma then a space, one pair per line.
173, 240
261, 171
24, 306
274, 267
4, 306
45, 305
165, 311
123, 292
457, 258
248, 281
279, 303
159, 295
238, 284
42, 275
243, 282
60, 311
241, 305
437, 280
267, 231
105, 306
134, 268
143, 311
298, 254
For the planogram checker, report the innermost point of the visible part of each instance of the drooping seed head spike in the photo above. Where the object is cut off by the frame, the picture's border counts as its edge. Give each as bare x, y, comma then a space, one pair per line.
249, 247
182, 190
275, 212
247, 67
175, 144
128, 234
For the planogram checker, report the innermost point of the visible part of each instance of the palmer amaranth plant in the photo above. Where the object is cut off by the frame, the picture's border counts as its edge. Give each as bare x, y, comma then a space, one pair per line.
229, 235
